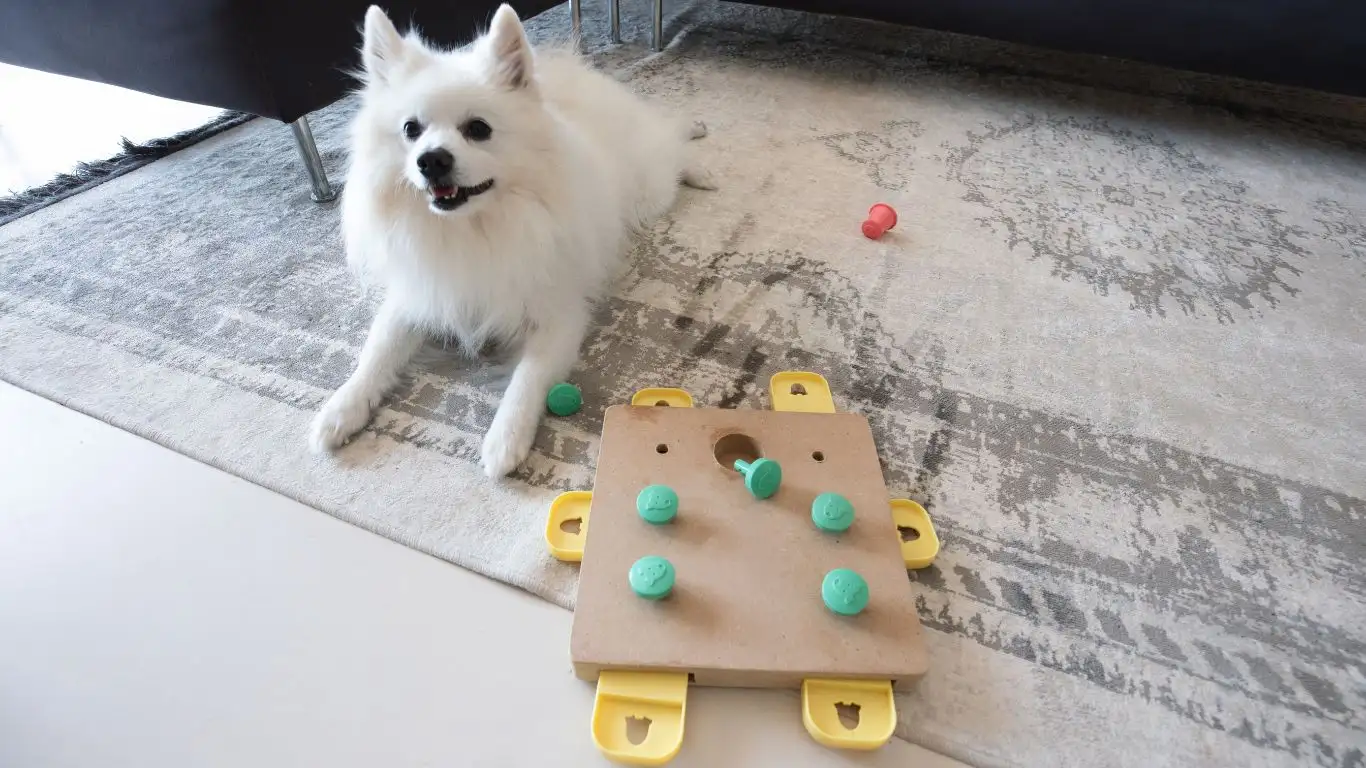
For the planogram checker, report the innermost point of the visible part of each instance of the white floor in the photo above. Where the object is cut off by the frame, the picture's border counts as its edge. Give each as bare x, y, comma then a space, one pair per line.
48, 123
157, 612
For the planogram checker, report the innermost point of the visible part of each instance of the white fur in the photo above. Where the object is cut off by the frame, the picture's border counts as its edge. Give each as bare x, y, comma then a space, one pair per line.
577, 161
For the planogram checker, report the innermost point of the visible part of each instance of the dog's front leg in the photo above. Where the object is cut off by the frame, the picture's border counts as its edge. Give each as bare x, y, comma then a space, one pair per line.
550, 351
389, 347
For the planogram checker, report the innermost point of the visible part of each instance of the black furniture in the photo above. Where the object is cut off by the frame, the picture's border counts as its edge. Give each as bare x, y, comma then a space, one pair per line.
280, 60
1317, 44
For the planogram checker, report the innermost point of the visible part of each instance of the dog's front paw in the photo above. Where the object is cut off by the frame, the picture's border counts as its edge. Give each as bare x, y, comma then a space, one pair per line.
344, 415
505, 446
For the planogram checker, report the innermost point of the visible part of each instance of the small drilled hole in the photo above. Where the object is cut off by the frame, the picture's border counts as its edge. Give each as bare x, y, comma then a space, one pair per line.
637, 728
733, 447
572, 526
798, 389
661, 448
818, 456
662, 403
849, 714
907, 533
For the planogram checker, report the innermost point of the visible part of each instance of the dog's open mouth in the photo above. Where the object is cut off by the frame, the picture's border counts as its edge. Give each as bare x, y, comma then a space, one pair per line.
448, 198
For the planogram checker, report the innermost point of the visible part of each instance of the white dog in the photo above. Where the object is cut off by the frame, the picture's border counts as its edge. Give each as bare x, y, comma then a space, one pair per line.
491, 193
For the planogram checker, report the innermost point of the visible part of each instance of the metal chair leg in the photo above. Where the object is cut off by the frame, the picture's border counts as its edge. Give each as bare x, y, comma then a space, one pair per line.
322, 191
657, 34
614, 10
576, 21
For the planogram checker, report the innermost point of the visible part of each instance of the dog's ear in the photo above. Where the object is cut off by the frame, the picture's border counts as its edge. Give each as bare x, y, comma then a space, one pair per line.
384, 48
509, 49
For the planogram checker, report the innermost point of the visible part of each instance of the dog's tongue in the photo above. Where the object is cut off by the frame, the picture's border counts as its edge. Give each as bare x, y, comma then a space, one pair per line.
443, 191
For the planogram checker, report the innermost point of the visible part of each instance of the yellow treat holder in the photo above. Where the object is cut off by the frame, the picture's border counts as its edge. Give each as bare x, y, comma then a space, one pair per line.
564, 542
671, 397
871, 700
920, 551
654, 702
800, 391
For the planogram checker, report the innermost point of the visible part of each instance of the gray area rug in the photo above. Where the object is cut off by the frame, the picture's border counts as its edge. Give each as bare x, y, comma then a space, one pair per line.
1116, 346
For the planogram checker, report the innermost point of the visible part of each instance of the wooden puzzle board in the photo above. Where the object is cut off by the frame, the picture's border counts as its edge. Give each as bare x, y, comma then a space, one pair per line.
746, 609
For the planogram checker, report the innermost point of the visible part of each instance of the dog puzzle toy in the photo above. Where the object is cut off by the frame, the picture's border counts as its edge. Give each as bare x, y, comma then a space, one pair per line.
564, 399
716, 524
881, 217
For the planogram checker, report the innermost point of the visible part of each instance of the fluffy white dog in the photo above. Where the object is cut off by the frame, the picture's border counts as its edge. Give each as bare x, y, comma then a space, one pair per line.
491, 193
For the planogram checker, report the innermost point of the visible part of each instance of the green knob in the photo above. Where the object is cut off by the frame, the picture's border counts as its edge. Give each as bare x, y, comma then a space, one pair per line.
832, 512
844, 592
762, 477
564, 400
652, 577
657, 504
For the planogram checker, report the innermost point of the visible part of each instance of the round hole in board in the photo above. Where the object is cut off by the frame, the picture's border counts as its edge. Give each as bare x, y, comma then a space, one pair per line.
661, 403
907, 533
798, 389
736, 447
818, 456
661, 448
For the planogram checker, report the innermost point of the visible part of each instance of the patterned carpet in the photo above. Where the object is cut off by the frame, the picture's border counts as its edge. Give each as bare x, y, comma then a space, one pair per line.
1115, 346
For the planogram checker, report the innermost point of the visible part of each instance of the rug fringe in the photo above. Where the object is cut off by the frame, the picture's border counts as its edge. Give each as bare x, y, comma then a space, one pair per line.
87, 175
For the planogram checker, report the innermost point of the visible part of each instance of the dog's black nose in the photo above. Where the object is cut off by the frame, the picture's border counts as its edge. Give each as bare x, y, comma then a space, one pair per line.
435, 164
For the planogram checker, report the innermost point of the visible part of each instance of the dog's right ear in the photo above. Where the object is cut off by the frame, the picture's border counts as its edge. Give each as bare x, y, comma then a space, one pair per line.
384, 48
508, 46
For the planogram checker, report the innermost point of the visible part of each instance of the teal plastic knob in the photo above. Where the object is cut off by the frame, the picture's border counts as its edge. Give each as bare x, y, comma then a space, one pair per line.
832, 512
652, 577
844, 592
762, 477
657, 504
564, 399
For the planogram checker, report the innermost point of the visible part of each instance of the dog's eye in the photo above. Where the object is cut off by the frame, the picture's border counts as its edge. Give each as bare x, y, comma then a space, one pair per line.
477, 130
412, 129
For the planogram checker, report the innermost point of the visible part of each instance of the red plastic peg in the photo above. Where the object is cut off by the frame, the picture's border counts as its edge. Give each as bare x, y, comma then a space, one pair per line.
881, 218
